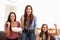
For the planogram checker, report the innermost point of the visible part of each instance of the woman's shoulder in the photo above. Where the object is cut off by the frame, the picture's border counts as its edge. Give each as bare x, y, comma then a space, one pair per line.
35, 17
22, 17
17, 22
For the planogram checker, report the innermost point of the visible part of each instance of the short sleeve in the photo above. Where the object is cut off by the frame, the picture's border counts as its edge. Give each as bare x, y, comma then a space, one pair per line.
18, 23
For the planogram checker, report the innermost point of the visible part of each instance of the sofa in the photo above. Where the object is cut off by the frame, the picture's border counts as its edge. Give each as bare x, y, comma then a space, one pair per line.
3, 36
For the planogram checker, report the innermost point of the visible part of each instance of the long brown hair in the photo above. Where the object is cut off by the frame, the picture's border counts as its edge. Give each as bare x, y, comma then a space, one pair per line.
9, 20
46, 33
31, 15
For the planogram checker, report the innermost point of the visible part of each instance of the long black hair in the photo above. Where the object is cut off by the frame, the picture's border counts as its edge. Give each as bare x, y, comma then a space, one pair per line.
31, 15
9, 20
46, 33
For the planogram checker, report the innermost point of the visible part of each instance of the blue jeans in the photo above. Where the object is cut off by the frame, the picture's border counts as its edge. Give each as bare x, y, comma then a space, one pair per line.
28, 36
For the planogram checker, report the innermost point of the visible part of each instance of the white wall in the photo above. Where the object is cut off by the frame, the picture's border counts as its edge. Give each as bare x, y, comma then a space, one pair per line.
2, 15
47, 11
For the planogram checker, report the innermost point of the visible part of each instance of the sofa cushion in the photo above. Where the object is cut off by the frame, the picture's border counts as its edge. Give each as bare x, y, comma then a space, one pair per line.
2, 35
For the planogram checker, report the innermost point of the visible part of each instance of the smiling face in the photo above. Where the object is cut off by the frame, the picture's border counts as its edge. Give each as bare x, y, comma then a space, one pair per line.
44, 28
28, 10
12, 17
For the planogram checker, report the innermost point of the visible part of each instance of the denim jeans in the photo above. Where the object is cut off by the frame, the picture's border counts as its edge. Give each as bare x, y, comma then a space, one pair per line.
28, 35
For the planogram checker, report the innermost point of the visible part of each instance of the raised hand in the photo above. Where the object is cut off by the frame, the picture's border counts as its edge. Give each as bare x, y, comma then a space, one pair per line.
8, 29
8, 23
55, 25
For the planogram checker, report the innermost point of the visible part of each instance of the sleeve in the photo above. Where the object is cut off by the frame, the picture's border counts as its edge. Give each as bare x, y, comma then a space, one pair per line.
35, 21
22, 22
18, 23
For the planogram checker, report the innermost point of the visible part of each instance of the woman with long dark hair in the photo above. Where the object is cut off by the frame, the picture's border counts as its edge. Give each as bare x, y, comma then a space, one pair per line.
44, 32
44, 35
28, 22
11, 22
